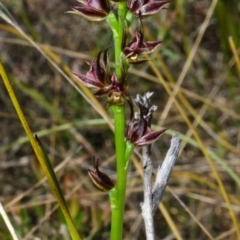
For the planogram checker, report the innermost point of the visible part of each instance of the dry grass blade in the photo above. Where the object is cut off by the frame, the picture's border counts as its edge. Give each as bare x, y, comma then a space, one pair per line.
235, 54
8, 223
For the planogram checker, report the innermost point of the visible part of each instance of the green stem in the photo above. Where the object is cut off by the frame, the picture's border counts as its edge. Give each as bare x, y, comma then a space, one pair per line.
122, 10
123, 153
117, 25
117, 195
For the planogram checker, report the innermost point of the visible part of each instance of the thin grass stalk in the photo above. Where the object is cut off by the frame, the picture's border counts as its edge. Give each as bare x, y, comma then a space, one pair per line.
235, 53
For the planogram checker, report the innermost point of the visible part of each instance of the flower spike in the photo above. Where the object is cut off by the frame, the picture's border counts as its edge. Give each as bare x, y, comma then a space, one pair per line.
93, 10
100, 179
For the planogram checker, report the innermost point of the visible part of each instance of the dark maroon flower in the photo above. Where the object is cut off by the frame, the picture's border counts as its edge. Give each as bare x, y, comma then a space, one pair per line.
96, 76
137, 47
112, 86
138, 132
100, 179
145, 8
94, 10
99, 77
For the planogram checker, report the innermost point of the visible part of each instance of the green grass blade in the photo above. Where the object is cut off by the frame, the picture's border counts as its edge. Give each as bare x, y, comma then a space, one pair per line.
42, 157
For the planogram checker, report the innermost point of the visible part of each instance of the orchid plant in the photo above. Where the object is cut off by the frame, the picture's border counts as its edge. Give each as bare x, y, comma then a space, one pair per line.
115, 86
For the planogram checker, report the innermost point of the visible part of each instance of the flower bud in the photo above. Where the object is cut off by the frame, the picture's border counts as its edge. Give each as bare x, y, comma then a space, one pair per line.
100, 180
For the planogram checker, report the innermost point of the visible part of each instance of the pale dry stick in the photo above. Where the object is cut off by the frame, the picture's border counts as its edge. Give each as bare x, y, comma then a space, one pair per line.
147, 109
146, 206
95, 104
208, 200
162, 208
153, 196
189, 61
8, 223
163, 172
